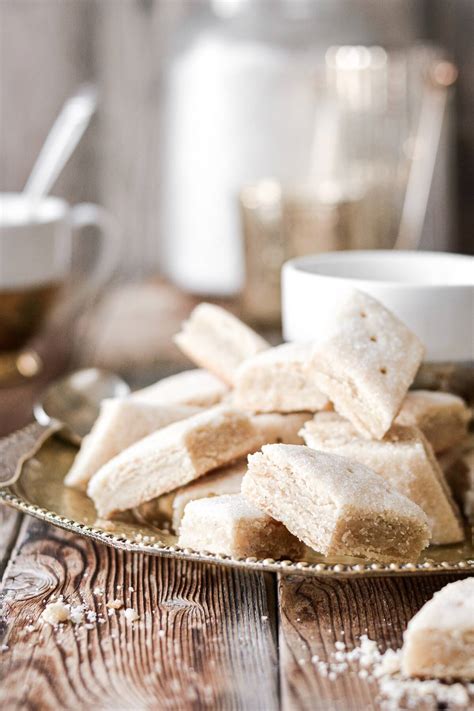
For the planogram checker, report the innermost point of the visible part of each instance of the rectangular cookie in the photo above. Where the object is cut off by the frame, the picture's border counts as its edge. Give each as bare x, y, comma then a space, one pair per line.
229, 525
336, 506
442, 417
367, 364
281, 428
121, 423
404, 458
172, 457
196, 387
439, 639
225, 480
279, 380
215, 339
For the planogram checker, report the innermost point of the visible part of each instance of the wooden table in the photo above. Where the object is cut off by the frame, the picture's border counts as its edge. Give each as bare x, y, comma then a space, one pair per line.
208, 637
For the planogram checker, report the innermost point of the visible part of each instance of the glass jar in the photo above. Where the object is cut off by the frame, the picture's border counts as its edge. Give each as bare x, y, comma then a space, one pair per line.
239, 91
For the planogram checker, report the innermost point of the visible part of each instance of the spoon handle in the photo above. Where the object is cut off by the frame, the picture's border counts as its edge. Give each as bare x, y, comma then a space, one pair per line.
18, 448
61, 141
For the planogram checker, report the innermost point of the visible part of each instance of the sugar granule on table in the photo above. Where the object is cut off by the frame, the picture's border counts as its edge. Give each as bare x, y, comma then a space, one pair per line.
76, 614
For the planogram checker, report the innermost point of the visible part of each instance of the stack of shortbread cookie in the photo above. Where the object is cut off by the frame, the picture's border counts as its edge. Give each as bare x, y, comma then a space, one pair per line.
342, 457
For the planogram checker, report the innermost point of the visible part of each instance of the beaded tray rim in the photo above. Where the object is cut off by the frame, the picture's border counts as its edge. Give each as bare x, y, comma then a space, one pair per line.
301, 567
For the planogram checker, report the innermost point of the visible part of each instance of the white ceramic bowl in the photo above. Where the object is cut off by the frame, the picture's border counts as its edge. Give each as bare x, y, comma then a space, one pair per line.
432, 292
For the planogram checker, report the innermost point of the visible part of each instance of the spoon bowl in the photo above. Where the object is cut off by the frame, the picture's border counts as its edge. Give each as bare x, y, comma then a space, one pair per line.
69, 408
74, 401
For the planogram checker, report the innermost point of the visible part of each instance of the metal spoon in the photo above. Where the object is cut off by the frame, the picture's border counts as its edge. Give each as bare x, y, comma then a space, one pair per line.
62, 140
68, 407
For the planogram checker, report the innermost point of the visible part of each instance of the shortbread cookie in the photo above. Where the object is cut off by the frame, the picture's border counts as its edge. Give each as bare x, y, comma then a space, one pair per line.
225, 480
442, 417
121, 422
281, 428
272, 427
229, 525
366, 366
439, 639
215, 339
404, 458
335, 505
279, 380
458, 467
197, 387
172, 457
468, 498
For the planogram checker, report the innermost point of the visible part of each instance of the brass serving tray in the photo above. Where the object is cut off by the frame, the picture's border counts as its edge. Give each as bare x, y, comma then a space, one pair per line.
40, 492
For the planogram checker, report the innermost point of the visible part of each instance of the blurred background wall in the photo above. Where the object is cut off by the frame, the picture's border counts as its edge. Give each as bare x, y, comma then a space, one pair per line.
48, 47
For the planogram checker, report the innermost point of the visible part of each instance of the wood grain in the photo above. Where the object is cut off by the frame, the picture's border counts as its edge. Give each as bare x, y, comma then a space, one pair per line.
316, 613
205, 637
9, 526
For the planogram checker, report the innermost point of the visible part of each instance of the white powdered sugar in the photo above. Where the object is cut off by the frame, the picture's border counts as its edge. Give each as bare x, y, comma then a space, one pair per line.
410, 692
395, 690
76, 614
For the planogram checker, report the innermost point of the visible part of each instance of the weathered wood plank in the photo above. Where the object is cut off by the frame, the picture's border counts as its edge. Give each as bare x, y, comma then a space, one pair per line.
316, 613
205, 638
9, 526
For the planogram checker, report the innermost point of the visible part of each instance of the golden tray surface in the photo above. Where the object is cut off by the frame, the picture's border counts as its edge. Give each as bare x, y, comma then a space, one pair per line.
40, 492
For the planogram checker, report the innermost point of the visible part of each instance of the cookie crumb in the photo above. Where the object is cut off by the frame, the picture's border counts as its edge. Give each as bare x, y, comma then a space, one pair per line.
77, 614
56, 612
130, 614
114, 604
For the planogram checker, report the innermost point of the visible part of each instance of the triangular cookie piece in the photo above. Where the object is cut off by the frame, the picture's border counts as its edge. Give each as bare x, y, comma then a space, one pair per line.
442, 417
197, 388
404, 458
229, 525
215, 339
335, 505
439, 639
279, 380
121, 423
171, 457
367, 364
